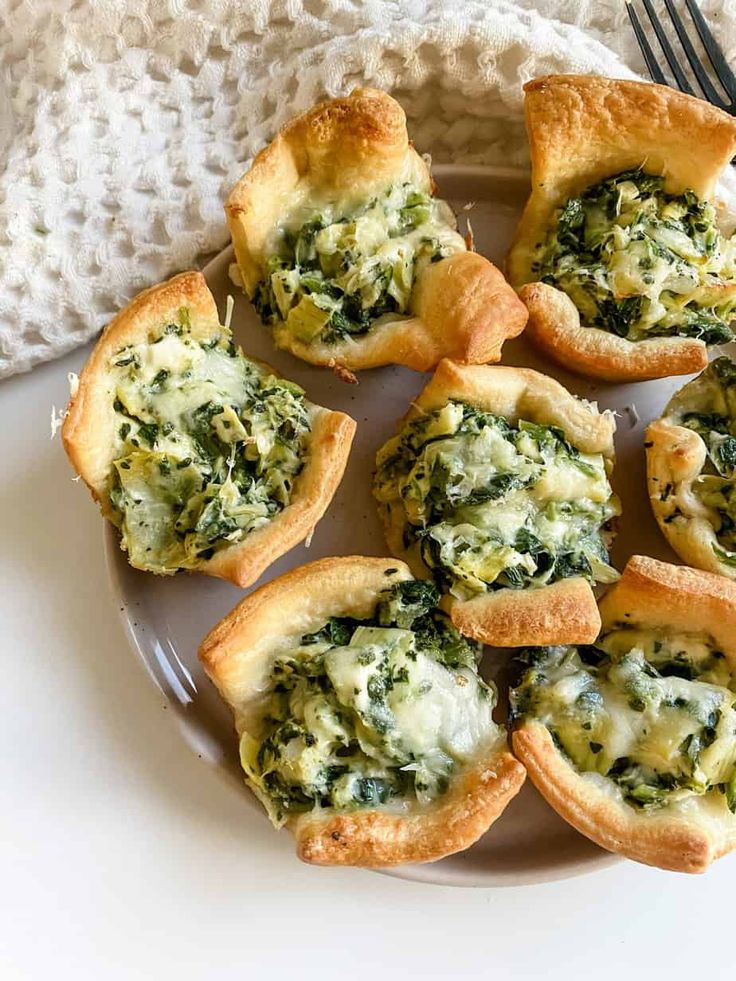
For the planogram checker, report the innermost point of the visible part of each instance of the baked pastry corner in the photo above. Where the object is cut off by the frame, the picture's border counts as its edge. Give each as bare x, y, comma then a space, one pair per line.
242, 654
503, 606
584, 130
331, 165
99, 446
685, 833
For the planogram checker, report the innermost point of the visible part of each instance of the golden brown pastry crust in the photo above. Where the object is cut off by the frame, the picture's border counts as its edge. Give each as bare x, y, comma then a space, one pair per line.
237, 655
683, 838
565, 610
581, 130
675, 458
513, 617
88, 432
554, 326
374, 838
352, 148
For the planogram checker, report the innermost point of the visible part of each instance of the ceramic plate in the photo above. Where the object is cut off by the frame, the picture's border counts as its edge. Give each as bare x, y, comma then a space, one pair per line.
167, 617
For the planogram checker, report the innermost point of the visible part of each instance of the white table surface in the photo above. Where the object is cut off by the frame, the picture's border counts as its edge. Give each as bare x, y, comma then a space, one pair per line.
124, 856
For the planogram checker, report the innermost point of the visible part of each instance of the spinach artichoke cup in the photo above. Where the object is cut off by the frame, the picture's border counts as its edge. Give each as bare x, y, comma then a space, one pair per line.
691, 469
618, 255
202, 458
350, 259
633, 739
364, 725
497, 486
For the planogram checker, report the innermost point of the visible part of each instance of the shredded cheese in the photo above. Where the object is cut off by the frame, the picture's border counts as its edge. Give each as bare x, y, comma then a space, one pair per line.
229, 306
57, 420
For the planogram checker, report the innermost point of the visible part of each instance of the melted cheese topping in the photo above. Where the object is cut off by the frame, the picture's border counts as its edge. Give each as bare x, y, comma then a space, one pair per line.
707, 406
342, 269
385, 719
639, 262
652, 712
208, 445
491, 505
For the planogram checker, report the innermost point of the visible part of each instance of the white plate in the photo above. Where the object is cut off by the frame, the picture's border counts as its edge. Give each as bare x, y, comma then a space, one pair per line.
167, 617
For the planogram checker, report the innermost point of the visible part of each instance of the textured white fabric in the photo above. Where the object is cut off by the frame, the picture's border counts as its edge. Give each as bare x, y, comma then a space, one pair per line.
123, 125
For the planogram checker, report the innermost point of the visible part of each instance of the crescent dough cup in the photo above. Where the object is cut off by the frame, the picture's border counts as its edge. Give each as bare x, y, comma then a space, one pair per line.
583, 129
649, 594
88, 432
237, 656
564, 612
676, 456
352, 148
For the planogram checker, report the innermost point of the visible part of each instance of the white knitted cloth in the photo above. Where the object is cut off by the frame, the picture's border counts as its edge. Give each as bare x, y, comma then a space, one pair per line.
123, 125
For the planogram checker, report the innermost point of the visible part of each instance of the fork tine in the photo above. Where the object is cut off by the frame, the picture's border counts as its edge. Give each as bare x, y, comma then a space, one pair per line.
654, 70
680, 77
720, 65
703, 81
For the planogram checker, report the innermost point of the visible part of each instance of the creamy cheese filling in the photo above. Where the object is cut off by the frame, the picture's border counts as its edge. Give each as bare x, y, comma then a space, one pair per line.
639, 262
337, 274
207, 446
653, 712
367, 713
490, 505
707, 405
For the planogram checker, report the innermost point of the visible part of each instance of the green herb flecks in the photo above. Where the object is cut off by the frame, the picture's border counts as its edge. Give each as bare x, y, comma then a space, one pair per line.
345, 724
640, 262
654, 713
210, 446
334, 276
490, 505
707, 406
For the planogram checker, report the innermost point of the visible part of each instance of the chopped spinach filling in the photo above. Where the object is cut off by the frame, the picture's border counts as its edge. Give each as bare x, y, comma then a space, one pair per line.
338, 273
640, 262
207, 446
707, 405
364, 713
654, 713
490, 505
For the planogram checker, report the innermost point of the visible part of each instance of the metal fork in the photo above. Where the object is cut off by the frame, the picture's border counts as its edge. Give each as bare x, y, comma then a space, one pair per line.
720, 66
